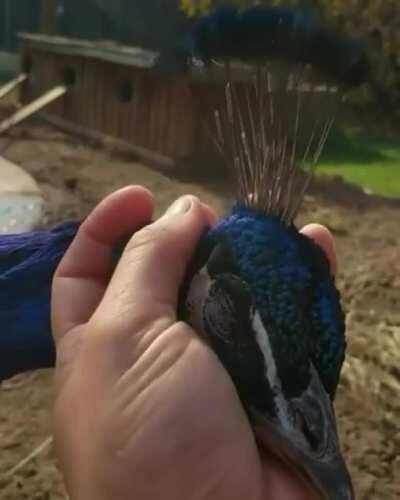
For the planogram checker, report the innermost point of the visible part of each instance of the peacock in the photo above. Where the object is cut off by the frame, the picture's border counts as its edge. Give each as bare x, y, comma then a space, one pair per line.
258, 291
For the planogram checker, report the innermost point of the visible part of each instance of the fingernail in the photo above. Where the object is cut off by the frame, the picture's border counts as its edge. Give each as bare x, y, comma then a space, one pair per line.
180, 206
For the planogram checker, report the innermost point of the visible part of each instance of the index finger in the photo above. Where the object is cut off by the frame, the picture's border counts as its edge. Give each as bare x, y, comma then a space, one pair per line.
83, 274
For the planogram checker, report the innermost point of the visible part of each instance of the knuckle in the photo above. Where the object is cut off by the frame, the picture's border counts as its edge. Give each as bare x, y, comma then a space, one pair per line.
146, 238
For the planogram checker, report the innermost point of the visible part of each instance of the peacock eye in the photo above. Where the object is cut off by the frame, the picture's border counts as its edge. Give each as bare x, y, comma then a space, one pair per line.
227, 309
221, 260
309, 433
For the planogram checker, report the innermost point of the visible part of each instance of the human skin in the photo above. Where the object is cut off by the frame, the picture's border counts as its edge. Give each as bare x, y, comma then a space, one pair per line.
144, 408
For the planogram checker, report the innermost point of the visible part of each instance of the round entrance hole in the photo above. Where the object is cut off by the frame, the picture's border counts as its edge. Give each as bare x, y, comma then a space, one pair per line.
68, 76
125, 91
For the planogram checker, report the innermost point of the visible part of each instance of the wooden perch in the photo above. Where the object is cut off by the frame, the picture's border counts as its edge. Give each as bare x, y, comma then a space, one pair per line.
10, 86
33, 107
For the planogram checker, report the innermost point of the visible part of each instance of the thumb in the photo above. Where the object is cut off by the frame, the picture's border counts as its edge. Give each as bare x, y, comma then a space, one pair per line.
144, 289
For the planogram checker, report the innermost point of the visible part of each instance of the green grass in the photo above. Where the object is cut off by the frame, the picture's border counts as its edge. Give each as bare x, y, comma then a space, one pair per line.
370, 162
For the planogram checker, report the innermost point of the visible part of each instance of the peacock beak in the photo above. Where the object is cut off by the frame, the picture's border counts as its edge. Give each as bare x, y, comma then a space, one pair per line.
303, 434
327, 476
330, 479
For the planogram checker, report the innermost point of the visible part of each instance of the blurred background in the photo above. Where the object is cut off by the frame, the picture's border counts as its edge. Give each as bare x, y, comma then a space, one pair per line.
82, 114
162, 24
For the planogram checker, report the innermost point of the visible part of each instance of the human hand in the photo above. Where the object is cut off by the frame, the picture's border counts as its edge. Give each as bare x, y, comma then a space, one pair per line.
145, 409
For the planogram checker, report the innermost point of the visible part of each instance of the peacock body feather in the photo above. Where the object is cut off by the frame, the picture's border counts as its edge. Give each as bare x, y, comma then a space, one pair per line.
27, 265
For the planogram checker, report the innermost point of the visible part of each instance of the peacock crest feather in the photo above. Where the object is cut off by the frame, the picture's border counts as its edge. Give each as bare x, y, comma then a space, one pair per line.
279, 109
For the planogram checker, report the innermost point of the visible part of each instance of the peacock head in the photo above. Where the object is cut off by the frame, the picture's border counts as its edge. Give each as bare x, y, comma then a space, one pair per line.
263, 297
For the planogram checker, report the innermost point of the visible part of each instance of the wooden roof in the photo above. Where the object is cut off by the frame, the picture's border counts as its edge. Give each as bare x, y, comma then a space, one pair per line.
103, 50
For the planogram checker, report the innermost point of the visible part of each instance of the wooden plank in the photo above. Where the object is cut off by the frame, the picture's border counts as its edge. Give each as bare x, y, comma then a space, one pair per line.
90, 93
169, 101
105, 105
73, 104
142, 104
173, 129
43, 76
32, 108
25, 62
154, 115
164, 162
173, 137
47, 75
98, 93
153, 122
184, 140
83, 113
135, 123
108, 104
115, 104
127, 110
163, 124
13, 84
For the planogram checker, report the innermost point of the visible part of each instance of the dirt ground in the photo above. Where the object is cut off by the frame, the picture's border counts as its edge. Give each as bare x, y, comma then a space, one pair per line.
74, 177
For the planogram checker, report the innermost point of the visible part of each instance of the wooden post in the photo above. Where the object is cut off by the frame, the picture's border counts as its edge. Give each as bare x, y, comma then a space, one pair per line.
13, 84
32, 108
48, 18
